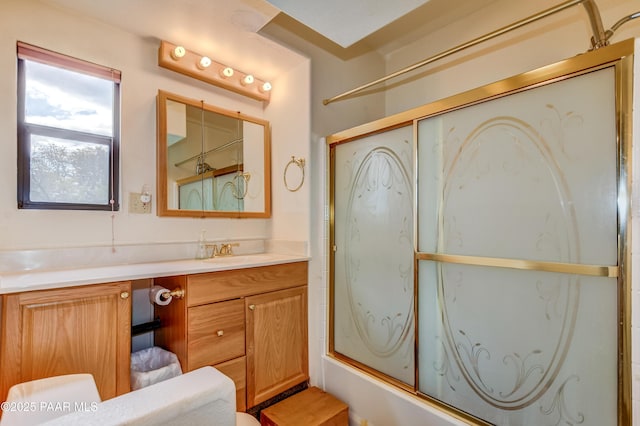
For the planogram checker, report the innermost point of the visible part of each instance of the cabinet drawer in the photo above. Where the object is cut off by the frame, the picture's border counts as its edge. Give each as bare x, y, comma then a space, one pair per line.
223, 285
236, 369
215, 333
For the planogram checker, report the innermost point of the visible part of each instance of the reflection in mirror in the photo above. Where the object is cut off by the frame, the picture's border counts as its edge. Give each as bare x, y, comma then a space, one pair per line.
211, 162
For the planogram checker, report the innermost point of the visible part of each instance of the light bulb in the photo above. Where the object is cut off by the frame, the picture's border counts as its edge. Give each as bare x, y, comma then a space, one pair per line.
204, 62
248, 79
178, 52
226, 72
266, 87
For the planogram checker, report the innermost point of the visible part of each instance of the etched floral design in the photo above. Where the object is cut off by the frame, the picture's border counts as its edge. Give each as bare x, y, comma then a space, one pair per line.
379, 216
473, 351
550, 295
522, 370
558, 123
445, 368
559, 408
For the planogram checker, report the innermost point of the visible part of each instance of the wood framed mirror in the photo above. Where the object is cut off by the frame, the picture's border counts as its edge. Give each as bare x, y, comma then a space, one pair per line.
211, 162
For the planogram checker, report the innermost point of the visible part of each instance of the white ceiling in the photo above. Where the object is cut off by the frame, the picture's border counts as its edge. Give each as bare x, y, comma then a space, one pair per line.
228, 30
346, 22
225, 30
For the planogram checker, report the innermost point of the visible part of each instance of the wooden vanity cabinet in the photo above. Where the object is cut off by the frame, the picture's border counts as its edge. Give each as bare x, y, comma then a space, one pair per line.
84, 329
249, 323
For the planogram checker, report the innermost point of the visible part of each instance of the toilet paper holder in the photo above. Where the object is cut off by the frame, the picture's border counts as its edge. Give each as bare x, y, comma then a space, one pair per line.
178, 293
162, 296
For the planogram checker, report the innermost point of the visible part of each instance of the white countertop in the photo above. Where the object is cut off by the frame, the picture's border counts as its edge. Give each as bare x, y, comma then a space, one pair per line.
47, 279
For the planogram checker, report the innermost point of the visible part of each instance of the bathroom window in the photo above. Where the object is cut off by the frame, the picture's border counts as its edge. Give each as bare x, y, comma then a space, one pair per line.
68, 128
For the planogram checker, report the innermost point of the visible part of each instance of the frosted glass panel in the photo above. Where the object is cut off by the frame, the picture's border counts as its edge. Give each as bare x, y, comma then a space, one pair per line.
519, 347
229, 192
531, 175
373, 274
223, 192
197, 195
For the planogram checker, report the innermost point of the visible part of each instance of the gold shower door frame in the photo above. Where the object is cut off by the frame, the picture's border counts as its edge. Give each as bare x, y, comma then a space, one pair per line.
620, 57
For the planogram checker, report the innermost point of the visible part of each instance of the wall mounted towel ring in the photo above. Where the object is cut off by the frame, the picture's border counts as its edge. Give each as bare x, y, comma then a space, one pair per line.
300, 163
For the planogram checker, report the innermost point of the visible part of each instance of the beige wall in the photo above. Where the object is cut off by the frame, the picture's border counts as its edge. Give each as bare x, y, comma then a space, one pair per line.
549, 40
35, 22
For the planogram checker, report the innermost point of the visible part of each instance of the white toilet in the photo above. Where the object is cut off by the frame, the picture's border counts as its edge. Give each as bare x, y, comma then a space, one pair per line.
244, 419
38, 401
203, 396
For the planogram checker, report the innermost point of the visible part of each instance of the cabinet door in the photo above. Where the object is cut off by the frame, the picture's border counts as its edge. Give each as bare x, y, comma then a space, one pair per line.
277, 350
66, 331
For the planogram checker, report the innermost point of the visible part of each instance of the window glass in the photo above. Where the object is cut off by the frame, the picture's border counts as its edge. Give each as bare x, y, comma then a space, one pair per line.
67, 171
66, 99
68, 122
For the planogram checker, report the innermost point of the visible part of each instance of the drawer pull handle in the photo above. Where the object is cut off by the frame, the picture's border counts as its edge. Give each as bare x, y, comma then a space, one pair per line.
252, 307
220, 332
124, 295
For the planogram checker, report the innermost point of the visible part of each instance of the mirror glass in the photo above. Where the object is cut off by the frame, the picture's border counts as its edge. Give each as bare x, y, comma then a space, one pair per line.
212, 162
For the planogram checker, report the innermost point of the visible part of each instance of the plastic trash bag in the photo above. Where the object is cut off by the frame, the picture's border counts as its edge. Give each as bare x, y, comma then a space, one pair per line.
153, 365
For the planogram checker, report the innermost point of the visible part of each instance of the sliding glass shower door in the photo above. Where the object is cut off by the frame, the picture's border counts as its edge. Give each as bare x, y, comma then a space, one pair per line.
480, 247
517, 249
374, 279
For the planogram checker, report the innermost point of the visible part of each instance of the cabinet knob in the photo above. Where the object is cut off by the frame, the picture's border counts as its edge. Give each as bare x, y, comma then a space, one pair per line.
124, 295
220, 332
252, 307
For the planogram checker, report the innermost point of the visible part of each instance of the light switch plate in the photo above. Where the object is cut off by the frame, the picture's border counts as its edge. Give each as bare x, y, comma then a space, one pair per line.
136, 205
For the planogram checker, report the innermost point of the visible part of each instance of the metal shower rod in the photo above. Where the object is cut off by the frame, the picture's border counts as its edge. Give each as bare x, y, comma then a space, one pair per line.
599, 39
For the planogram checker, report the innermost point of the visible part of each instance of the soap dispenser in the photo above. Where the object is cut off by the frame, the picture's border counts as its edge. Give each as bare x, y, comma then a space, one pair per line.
201, 252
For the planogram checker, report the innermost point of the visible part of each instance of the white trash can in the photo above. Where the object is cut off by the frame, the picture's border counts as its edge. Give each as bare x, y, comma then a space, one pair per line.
153, 365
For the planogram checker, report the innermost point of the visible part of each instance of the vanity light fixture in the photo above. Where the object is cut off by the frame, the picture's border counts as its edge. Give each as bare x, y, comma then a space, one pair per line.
266, 87
247, 80
226, 72
192, 64
204, 62
178, 53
